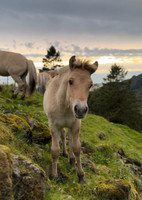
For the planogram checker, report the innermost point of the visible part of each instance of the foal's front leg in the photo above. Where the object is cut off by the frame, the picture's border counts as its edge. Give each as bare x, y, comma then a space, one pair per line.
72, 157
55, 151
76, 147
63, 138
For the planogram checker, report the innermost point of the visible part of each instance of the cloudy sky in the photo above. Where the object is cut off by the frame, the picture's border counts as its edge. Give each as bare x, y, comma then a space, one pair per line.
109, 31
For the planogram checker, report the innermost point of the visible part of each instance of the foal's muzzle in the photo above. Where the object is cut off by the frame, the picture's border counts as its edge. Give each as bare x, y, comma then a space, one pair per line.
80, 110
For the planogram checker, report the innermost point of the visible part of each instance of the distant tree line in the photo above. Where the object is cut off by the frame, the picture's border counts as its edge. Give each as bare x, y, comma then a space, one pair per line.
116, 101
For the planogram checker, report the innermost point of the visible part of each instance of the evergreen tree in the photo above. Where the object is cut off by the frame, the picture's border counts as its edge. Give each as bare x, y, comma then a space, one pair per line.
51, 56
117, 74
116, 101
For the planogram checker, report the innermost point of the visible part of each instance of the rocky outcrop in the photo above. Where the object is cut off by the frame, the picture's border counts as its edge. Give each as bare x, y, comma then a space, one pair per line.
20, 179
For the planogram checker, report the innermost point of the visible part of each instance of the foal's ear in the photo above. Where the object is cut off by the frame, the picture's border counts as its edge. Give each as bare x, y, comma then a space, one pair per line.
71, 62
94, 67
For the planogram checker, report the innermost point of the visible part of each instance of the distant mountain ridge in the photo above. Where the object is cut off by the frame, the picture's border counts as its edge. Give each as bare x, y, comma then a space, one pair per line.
136, 82
136, 86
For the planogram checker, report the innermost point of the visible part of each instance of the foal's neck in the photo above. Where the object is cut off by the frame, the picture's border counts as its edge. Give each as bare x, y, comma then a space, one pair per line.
62, 92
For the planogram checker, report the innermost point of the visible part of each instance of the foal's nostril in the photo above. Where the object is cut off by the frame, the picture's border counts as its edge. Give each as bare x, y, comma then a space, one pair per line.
80, 111
85, 109
76, 109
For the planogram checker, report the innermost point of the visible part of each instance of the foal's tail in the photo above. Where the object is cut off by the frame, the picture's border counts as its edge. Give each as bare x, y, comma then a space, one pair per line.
43, 80
32, 76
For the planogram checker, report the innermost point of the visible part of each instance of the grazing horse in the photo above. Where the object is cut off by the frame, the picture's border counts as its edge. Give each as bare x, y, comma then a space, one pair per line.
17, 66
65, 104
43, 78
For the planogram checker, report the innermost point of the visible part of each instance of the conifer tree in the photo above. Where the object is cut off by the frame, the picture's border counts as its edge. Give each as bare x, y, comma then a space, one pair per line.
51, 56
116, 101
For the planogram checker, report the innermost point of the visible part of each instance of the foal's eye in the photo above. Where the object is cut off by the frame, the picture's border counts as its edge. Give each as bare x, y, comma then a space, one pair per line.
70, 82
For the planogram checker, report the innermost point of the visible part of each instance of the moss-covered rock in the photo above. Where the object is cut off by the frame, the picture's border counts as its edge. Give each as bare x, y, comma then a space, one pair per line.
17, 123
5, 176
20, 179
5, 135
105, 170
30, 128
40, 132
29, 180
114, 189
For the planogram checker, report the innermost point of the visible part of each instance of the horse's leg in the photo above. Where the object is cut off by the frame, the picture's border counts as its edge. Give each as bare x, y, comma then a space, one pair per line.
20, 83
63, 138
72, 157
76, 147
55, 151
25, 87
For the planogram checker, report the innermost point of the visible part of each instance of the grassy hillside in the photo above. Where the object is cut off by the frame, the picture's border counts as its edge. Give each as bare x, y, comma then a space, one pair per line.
111, 153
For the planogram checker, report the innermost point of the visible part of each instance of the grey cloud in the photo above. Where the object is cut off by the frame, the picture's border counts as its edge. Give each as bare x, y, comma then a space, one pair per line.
75, 21
76, 49
29, 45
113, 52
88, 52
103, 9
14, 44
95, 52
79, 16
34, 55
56, 43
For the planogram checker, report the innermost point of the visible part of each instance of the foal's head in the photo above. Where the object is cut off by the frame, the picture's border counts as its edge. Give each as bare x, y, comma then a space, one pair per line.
79, 83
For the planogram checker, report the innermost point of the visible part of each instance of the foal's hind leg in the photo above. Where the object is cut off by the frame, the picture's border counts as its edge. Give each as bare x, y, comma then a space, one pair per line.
63, 138
20, 83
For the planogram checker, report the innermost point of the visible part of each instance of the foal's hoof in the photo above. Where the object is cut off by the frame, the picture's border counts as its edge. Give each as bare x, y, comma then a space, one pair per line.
14, 96
65, 154
23, 98
81, 179
62, 178
52, 177
72, 162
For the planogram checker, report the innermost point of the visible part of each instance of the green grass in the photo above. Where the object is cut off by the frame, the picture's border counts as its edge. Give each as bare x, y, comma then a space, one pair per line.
118, 136
102, 153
